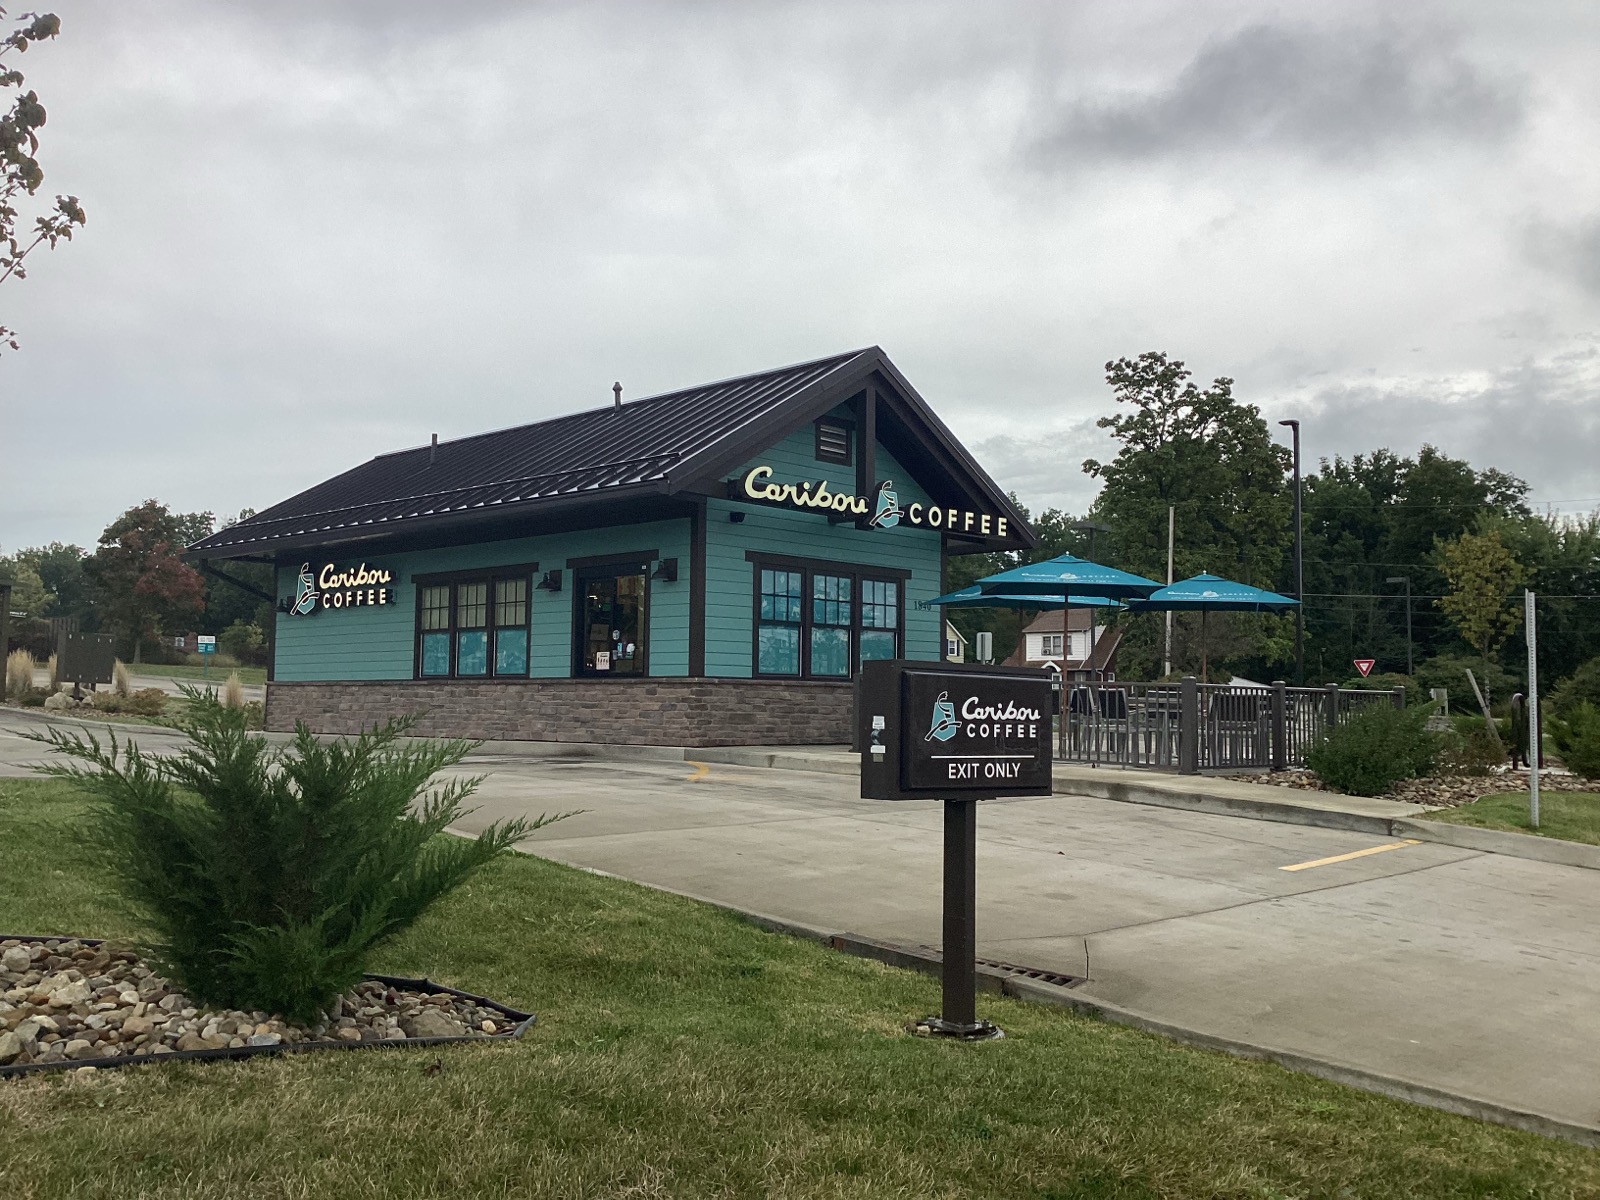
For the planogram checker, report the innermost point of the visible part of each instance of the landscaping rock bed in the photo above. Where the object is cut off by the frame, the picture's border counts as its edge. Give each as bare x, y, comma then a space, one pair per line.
1438, 791
72, 1002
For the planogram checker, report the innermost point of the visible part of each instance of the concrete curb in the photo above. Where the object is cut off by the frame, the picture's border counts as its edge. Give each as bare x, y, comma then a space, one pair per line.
1264, 809
1495, 841
1027, 990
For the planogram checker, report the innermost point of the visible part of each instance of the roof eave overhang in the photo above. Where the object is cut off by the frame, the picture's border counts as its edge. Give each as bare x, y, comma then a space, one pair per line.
270, 549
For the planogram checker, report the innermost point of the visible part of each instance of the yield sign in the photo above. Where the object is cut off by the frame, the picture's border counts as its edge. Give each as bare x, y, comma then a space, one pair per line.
1365, 665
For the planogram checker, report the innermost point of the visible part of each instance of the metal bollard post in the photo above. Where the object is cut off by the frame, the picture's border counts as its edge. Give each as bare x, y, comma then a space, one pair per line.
1280, 725
1189, 726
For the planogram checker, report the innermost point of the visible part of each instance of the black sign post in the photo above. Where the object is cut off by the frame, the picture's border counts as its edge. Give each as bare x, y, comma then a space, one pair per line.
961, 734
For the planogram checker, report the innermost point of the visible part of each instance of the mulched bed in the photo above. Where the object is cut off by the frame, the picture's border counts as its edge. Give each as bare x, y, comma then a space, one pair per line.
77, 1002
1438, 791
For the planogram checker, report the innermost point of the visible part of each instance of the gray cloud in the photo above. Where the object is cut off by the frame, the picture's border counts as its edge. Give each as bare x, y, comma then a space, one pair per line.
1538, 419
1571, 251
321, 231
1338, 93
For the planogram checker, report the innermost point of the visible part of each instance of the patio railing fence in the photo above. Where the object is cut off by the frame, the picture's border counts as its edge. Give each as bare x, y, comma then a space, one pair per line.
1189, 727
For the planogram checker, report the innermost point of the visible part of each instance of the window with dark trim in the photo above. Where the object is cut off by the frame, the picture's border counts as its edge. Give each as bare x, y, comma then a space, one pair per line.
835, 442
818, 621
474, 627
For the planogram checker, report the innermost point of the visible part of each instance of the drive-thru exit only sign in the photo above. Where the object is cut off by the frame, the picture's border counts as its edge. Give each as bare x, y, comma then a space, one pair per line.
959, 734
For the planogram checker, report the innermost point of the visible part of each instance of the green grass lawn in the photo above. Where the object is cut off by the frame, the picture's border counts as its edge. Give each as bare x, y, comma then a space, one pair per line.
683, 1052
253, 675
1570, 816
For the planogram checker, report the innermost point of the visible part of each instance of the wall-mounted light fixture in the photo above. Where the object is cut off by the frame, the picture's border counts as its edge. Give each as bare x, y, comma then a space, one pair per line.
736, 517
667, 570
551, 581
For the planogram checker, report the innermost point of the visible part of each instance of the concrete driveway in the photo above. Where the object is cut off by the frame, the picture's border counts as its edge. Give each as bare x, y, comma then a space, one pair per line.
1474, 973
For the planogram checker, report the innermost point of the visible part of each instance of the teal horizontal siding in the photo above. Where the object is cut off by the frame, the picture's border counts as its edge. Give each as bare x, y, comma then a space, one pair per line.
376, 643
730, 578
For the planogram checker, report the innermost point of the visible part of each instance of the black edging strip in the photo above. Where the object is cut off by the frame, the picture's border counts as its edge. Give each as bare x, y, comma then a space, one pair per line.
524, 1022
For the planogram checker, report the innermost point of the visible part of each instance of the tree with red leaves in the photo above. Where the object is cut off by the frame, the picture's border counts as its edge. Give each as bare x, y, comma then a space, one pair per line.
142, 583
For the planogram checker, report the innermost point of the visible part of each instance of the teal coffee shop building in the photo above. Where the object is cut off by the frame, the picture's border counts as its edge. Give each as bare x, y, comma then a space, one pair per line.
706, 567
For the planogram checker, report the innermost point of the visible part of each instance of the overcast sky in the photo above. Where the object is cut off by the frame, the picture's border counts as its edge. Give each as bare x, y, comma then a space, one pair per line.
322, 231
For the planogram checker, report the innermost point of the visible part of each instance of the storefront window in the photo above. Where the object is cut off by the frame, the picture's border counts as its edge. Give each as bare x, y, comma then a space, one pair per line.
472, 638
880, 619
817, 623
778, 633
436, 630
511, 627
473, 628
830, 625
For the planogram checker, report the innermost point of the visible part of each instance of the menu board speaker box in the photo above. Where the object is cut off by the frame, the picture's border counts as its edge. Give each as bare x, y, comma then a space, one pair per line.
951, 730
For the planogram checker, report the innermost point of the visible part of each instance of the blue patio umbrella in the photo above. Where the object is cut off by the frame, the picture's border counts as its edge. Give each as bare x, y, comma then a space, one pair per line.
1067, 574
1208, 594
976, 597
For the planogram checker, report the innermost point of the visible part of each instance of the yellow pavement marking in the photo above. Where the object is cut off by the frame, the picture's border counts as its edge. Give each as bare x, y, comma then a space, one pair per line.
701, 770
1338, 858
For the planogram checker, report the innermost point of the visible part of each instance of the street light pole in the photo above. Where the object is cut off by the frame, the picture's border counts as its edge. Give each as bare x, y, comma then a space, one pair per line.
1405, 579
1299, 567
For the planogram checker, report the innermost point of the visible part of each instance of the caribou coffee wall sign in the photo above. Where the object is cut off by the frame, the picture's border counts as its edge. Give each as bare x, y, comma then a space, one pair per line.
340, 587
884, 506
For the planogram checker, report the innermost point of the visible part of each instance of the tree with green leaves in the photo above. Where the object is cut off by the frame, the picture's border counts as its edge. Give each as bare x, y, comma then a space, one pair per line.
141, 582
1377, 516
1203, 452
20, 172
1213, 459
1483, 576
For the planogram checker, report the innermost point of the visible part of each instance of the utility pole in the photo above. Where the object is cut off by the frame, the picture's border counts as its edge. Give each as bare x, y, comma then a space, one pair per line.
1406, 579
1299, 567
1534, 757
1172, 525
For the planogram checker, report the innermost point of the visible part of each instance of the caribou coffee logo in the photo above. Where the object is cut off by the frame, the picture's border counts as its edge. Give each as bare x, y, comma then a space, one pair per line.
885, 508
944, 724
331, 587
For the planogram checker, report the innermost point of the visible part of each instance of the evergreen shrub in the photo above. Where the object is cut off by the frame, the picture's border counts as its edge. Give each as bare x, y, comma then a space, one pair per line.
1577, 738
271, 876
1375, 749
1583, 685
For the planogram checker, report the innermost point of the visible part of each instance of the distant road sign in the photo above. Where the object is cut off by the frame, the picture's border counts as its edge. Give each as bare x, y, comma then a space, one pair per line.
207, 643
1365, 665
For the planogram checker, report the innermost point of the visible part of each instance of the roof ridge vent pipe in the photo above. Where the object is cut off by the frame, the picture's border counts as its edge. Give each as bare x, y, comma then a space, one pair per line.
616, 391
433, 449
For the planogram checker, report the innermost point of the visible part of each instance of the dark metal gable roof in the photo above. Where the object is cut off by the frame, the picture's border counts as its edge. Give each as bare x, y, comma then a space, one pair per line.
661, 444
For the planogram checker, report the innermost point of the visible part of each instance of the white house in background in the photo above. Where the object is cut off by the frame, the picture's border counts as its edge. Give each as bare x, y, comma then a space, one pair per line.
955, 646
1090, 647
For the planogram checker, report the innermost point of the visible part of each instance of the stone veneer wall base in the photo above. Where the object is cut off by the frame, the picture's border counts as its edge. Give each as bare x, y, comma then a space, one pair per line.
643, 712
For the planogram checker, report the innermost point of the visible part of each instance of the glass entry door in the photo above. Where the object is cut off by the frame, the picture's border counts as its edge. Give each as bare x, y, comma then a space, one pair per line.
613, 625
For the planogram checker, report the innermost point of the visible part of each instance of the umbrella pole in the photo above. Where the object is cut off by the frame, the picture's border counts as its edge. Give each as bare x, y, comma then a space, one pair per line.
1205, 651
1066, 638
